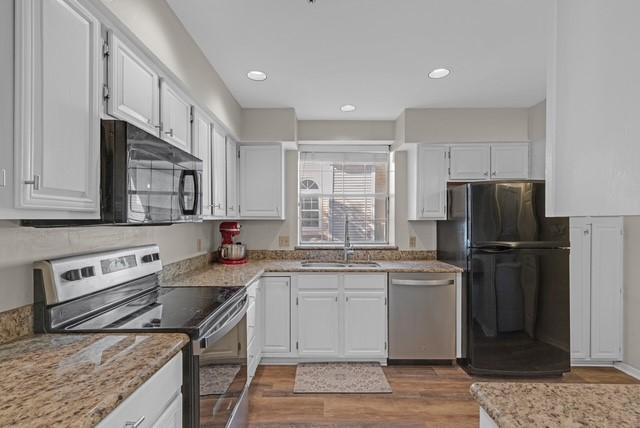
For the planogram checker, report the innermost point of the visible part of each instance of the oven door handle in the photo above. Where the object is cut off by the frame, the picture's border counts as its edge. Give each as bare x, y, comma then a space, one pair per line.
218, 332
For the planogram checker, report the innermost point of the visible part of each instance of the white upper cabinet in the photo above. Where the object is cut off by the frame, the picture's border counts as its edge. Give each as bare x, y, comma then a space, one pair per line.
175, 111
202, 146
219, 174
509, 161
261, 181
58, 92
427, 174
232, 177
592, 112
469, 162
134, 91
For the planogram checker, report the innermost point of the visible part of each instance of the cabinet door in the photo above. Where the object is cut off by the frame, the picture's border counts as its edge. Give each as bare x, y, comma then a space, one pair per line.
510, 161
219, 172
469, 161
261, 181
580, 285
175, 111
232, 178
318, 323
365, 324
606, 288
134, 91
432, 176
172, 415
202, 145
57, 107
277, 315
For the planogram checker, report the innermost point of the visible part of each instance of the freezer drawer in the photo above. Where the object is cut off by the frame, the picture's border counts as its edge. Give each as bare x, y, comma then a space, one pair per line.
422, 316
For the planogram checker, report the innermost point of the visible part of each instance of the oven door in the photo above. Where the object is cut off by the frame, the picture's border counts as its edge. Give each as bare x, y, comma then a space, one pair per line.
222, 372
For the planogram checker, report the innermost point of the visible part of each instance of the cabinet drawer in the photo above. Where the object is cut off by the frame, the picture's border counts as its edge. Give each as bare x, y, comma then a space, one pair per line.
318, 282
172, 416
151, 399
365, 281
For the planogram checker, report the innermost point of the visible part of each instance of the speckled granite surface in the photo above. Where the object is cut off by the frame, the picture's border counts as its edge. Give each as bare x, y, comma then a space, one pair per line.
182, 267
559, 405
241, 275
16, 323
76, 380
320, 253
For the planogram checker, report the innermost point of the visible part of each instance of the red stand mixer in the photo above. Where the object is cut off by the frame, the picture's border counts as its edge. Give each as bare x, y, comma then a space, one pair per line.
231, 253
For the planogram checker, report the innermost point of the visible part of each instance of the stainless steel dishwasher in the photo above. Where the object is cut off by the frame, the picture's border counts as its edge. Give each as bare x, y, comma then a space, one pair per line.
422, 316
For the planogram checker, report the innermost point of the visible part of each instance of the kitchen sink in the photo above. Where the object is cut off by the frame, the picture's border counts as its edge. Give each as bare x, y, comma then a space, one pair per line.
340, 265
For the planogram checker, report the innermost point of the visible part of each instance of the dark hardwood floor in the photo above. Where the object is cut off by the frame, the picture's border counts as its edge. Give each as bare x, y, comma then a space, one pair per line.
423, 396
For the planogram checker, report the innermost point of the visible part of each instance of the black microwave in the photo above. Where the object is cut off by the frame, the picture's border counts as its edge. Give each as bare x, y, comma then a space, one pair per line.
143, 180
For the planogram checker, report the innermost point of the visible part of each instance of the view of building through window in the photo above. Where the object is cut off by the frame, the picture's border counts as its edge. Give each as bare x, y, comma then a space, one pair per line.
341, 185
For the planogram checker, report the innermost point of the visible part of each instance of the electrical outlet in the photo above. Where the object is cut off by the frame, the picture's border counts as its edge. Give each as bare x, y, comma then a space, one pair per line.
412, 242
283, 241
199, 245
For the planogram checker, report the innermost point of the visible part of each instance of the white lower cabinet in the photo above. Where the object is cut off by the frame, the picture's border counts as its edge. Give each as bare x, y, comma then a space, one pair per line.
365, 324
341, 316
254, 328
277, 315
318, 323
596, 288
156, 403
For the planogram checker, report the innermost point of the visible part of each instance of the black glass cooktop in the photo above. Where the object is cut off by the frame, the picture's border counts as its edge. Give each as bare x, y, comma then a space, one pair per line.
184, 309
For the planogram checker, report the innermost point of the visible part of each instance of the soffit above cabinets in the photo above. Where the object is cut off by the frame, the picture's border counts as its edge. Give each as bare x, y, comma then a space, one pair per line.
375, 54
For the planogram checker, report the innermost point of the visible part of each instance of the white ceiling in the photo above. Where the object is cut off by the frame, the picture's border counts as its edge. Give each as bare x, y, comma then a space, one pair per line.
373, 53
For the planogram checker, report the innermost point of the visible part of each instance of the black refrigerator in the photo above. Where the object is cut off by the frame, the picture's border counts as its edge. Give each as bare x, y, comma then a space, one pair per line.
515, 280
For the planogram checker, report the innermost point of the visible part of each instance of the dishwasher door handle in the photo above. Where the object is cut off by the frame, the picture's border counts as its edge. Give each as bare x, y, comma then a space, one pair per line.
423, 282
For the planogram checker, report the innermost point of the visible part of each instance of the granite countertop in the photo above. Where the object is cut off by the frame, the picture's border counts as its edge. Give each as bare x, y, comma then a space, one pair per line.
219, 274
559, 405
77, 380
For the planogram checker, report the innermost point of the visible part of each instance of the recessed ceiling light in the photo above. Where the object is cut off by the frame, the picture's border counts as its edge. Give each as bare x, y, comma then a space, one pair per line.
256, 75
439, 73
347, 108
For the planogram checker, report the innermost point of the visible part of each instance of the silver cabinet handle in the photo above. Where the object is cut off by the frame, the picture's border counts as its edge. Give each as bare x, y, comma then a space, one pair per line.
231, 207
486, 173
135, 424
422, 283
35, 182
169, 132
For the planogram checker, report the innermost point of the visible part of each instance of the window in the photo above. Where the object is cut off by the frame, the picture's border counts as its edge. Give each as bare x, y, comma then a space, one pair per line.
335, 186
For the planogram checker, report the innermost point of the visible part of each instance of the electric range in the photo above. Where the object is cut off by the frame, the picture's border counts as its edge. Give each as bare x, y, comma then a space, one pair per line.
119, 291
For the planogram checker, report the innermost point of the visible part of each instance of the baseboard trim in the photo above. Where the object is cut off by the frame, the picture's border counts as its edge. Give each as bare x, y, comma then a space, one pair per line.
283, 361
587, 363
628, 369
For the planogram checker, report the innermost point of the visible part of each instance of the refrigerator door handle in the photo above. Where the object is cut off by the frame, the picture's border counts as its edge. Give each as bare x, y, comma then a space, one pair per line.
496, 249
482, 245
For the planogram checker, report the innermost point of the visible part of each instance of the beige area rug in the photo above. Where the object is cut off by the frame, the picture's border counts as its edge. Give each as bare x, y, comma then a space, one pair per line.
215, 380
345, 378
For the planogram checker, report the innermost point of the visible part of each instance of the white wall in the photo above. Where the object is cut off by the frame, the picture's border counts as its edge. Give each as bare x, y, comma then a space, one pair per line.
537, 135
632, 291
21, 246
268, 125
264, 235
156, 26
346, 130
463, 125
593, 131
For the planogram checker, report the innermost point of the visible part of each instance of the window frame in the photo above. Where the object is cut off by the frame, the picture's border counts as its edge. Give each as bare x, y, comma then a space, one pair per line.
385, 196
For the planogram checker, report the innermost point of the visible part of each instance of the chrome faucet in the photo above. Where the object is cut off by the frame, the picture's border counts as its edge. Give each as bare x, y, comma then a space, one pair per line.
347, 251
